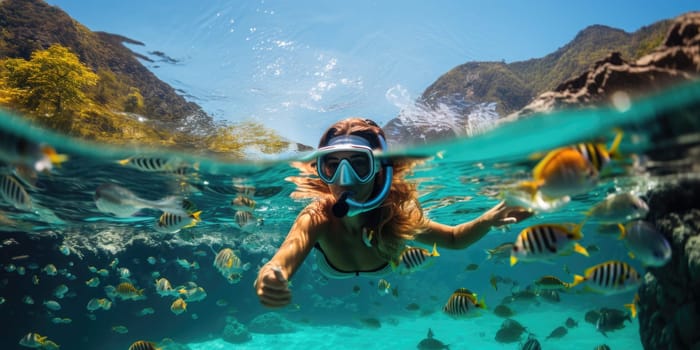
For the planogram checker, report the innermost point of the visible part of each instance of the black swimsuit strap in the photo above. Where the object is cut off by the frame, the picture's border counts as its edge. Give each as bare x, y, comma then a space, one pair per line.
357, 272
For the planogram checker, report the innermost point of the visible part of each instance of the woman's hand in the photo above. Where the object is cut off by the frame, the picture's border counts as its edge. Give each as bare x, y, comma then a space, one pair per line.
503, 214
271, 286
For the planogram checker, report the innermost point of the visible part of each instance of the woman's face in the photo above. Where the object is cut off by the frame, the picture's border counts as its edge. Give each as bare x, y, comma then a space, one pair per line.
361, 192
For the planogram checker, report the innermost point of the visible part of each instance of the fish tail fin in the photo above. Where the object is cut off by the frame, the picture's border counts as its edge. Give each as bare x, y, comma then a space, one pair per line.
124, 161
633, 309
54, 157
623, 231
580, 249
529, 187
513, 260
196, 215
482, 303
434, 252
578, 279
613, 150
576, 233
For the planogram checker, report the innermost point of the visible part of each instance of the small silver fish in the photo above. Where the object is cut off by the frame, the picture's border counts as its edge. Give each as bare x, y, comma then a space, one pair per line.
618, 207
645, 243
52, 305
121, 202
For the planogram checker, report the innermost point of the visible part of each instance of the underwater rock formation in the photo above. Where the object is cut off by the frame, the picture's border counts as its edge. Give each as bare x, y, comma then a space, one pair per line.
675, 61
669, 313
271, 323
235, 332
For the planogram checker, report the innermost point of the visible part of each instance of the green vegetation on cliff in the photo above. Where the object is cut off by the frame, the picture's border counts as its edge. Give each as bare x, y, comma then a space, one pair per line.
516, 84
59, 74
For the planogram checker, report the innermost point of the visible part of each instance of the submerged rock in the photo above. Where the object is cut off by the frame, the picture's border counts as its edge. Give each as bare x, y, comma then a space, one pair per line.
235, 332
669, 315
271, 323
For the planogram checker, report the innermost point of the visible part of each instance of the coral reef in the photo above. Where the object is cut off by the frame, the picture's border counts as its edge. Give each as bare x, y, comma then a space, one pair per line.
669, 314
235, 332
271, 323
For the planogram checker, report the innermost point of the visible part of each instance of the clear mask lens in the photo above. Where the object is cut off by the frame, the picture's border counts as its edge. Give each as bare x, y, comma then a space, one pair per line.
347, 164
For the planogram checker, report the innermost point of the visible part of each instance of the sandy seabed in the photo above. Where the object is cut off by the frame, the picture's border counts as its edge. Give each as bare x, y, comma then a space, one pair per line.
473, 333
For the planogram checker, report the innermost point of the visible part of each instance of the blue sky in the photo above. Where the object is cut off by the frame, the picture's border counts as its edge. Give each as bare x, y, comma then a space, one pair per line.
297, 66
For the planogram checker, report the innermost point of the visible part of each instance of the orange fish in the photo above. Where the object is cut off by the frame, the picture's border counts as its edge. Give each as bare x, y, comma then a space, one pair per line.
178, 306
570, 170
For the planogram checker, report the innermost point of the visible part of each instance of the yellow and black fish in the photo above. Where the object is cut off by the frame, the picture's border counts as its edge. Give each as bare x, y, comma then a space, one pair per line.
570, 170
243, 202
610, 277
383, 287
126, 290
143, 345
14, 193
545, 241
172, 223
178, 306
461, 302
153, 164
550, 282
414, 258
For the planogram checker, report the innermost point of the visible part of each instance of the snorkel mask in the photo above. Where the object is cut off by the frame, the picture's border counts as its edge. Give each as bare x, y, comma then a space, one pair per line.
349, 160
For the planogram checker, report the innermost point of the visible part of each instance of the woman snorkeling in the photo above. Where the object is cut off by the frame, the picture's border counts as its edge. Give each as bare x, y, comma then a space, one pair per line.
363, 214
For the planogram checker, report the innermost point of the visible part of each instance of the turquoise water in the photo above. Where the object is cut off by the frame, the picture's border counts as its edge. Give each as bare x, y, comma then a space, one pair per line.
456, 186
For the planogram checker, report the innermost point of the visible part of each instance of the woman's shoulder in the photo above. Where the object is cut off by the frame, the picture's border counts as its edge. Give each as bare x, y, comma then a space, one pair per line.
317, 213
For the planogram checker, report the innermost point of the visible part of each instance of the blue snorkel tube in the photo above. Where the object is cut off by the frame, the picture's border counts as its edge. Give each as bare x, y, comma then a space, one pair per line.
350, 207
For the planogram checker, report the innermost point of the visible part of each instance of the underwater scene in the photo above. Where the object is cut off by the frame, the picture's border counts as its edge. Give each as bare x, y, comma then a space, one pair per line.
160, 160
115, 245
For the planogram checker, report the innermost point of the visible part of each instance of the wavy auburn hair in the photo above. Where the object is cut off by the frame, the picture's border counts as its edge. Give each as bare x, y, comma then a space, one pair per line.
400, 215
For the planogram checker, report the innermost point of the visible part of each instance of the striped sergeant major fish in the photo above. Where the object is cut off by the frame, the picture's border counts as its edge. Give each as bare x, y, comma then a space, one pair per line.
461, 302
570, 170
172, 223
414, 258
155, 164
531, 344
610, 277
14, 193
143, 345
541, 242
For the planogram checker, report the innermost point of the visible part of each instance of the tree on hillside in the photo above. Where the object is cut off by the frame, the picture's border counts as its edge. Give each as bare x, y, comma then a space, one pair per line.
53, 81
